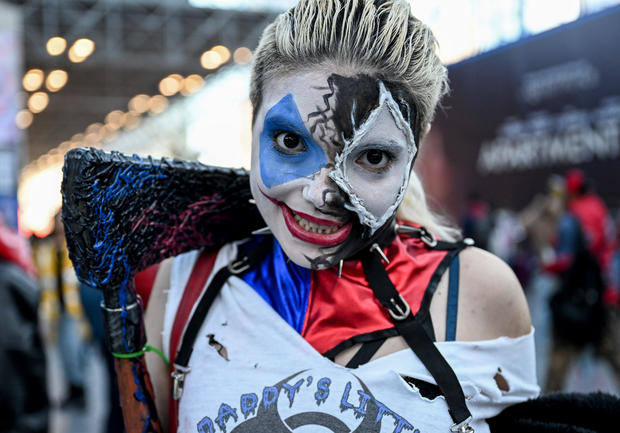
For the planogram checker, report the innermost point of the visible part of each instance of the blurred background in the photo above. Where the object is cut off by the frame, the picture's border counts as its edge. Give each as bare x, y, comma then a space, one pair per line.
524, 154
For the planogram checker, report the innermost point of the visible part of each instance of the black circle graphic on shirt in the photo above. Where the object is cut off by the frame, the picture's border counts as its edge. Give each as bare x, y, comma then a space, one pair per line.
319, 419
269, 420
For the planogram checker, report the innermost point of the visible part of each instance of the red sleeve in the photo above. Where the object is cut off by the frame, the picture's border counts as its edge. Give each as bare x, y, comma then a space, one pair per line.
16, 249
561, 264
144, 283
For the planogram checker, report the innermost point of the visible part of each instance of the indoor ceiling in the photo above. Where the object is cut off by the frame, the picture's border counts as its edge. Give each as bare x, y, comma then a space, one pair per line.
137, 44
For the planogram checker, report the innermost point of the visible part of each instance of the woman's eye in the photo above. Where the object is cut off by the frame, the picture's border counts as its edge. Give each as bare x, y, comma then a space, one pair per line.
375, 160
289, 143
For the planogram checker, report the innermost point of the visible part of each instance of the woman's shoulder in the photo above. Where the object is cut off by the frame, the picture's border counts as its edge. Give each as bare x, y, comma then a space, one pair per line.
491, 301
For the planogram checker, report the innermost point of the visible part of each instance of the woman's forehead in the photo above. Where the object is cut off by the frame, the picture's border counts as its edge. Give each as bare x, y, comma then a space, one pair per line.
307, 88
333, 106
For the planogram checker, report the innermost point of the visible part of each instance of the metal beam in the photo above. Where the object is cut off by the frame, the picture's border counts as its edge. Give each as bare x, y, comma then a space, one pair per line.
135, 30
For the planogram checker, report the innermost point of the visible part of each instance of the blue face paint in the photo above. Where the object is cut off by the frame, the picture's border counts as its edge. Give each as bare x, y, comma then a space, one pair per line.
276, 167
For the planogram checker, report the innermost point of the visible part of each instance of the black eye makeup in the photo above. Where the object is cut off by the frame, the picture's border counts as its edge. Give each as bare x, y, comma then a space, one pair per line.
288, 143
375, 160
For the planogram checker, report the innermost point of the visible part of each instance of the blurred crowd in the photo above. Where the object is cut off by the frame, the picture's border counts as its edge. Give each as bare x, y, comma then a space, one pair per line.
49, 315
564, 247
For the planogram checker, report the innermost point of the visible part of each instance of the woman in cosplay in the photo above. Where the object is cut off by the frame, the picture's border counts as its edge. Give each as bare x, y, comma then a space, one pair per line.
360, 311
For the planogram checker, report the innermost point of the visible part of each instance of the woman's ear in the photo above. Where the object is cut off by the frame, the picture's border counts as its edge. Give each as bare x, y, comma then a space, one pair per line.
423, 131
426, 128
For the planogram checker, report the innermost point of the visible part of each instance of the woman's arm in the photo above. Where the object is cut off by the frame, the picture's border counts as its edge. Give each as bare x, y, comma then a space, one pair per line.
491, 300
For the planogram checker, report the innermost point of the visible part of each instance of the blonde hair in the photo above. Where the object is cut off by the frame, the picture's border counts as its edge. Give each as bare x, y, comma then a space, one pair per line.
414, 208
379, 37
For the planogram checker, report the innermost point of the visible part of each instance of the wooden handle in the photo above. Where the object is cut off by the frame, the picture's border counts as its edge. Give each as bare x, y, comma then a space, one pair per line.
136, 395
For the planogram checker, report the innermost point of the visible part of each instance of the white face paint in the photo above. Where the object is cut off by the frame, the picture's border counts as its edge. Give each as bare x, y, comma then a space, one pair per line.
313, 183
385, 130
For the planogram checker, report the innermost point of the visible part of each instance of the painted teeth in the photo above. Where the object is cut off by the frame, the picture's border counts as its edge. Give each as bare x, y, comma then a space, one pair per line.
315, 228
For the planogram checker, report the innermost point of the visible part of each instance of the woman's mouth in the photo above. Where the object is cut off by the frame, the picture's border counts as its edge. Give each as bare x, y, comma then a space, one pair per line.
315, 230
311, 229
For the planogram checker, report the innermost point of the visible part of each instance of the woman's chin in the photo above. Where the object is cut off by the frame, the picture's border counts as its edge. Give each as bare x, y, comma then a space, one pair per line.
309, 256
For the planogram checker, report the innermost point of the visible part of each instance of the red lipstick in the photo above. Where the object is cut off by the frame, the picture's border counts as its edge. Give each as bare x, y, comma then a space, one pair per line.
323, 239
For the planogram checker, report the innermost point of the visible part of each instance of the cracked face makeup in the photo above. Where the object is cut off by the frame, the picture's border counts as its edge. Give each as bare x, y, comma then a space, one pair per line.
331, 157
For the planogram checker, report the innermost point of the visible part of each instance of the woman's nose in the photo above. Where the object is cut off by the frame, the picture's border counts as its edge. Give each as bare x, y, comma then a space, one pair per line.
323, 192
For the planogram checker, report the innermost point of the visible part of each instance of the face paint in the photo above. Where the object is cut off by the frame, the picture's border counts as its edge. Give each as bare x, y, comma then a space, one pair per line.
327, 184
384, 163
287, 150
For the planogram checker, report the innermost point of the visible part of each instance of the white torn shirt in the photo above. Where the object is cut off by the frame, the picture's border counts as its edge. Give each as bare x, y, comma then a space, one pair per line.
275, 381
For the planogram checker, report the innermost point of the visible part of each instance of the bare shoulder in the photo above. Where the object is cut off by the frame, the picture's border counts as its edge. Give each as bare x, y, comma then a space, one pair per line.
491, 300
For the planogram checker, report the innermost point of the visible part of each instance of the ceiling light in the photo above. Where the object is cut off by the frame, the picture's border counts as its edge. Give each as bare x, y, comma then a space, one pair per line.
23, 119
93, 128
139, 103
83, 47
56, 45
56, 80
157, 104
74, 57
242, 56
169, 86
38, 102
132, 120
77, 137
33, 79
114, 119
223, 52
192, 84
210, 60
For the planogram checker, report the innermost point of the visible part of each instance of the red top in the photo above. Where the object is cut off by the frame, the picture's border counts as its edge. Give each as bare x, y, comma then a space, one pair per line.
596, 224
341, 308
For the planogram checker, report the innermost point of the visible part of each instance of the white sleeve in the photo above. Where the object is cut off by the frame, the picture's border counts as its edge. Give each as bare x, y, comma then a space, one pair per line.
503, 370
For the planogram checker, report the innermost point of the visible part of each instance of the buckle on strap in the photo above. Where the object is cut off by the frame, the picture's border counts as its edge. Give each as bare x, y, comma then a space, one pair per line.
239, 266
178, 380
425, 236
463, 426
399, 310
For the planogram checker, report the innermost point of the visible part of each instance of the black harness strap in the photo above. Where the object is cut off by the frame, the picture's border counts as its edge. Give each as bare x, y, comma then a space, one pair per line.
246, 262
405, 322
365, 353
423, 316
416, 337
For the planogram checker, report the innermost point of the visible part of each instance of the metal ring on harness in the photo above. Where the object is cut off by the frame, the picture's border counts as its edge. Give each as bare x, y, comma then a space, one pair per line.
463, 426
239, 266
178, 380
426, 236
401, 312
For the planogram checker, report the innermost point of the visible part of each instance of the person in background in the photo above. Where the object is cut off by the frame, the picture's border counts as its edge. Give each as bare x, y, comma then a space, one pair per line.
593, 218
612, 295
62, 314
477, 221
583, 252
23, 393
610, 345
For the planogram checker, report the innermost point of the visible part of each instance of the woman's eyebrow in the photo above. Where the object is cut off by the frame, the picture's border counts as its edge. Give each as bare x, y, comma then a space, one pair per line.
284, 122
285, 114
392, 145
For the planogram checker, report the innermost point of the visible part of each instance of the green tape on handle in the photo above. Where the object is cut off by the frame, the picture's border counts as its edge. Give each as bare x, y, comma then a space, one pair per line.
146, 348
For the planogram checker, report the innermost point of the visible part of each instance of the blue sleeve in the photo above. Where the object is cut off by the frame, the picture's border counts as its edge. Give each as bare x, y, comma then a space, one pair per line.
568, 235
614, 273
